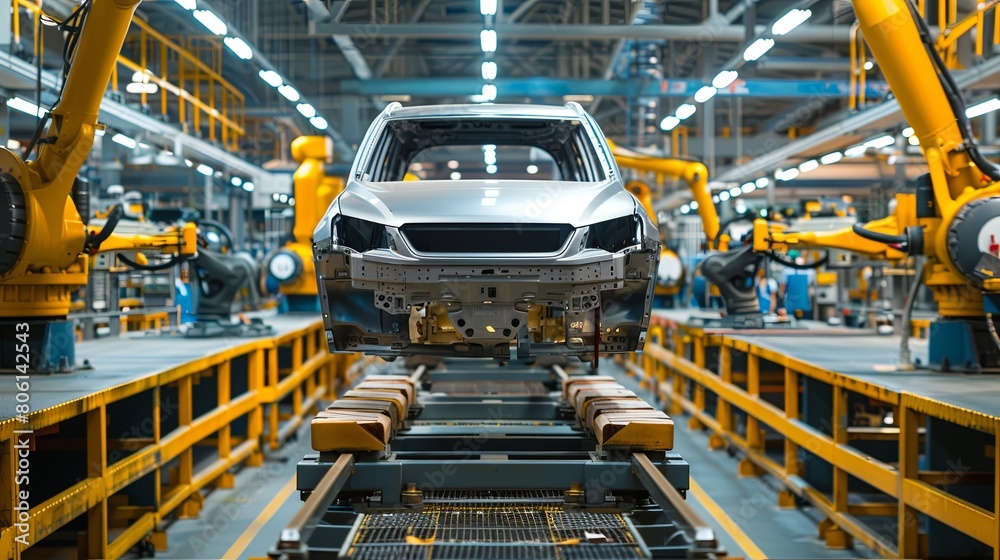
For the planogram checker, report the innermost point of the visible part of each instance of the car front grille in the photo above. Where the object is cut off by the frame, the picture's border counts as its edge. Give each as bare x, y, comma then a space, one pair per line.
487, 238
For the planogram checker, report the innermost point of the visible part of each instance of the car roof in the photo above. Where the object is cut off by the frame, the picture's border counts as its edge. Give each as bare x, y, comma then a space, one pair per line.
568, 111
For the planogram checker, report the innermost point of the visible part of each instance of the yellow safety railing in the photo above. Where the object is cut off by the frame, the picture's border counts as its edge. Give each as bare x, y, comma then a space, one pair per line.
674, 364
203, 97
309, 374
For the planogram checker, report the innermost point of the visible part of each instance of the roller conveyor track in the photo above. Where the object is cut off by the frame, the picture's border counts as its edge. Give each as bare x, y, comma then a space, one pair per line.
505, 468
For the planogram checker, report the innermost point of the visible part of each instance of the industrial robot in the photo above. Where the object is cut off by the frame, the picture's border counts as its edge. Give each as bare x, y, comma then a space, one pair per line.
292, 265
45, 242
952, 221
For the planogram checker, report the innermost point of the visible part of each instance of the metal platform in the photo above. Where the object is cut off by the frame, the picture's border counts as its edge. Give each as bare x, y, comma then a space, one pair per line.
507, 473
922, 481
116, 449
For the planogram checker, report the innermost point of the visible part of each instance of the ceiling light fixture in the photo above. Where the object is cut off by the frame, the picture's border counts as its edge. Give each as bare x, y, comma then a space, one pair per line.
790, 21
724, 79
239, 47
306, 110
831, 158
124, 141
211, 21
685, 111
319, 122
669, 123
489, 70
705, 93
488, 40
758, 49
270, 77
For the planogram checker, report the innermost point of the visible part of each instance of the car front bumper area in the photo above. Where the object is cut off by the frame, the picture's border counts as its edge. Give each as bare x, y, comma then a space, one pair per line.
381, 303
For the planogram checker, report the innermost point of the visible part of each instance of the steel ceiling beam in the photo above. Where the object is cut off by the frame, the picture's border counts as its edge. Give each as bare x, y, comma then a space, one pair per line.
557, 87
710, 31
848, 131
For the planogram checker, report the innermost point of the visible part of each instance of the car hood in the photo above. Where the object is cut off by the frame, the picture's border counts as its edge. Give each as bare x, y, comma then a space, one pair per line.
486, 201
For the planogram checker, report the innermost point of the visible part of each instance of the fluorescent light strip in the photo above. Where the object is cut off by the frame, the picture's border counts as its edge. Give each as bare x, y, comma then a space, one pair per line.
790, 21
685, 111
980, 109
124, 141
26, 107
489, 92
306, 110
270, 77
211, 21
319, 123
239, 47
669, 123
758, 49
289, 93
705, 93
489, 70
724, 79
831, 158
488, 40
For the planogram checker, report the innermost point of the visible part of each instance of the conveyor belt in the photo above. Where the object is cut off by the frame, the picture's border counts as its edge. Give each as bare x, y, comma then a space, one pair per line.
511, 530
507, 473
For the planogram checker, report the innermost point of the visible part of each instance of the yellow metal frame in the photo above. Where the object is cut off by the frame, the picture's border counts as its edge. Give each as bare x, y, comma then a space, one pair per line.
663, 368
197, 84
314, 374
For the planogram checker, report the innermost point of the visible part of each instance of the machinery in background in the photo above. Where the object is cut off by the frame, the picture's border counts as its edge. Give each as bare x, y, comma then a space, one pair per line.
229, 284
670, 271
292, 265
670, 274
225, 282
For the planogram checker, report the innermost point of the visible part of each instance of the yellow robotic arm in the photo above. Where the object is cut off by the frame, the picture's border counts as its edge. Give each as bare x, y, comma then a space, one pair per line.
769, 236
180, 241
956, 206
693, 172
42, 257
314, 191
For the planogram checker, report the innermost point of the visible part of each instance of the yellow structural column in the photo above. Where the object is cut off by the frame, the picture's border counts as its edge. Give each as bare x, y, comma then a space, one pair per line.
909, 455
224, 392
723, 413
792, 466
255, 421
755, 437
97, 467
835, 536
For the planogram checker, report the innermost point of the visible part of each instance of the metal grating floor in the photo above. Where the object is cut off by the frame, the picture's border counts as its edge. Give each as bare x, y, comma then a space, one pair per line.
531, 531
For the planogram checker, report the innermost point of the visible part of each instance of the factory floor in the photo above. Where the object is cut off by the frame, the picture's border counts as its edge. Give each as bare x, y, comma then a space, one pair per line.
246, 521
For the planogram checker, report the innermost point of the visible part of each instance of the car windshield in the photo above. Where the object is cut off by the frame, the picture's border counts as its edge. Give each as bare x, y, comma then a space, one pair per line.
485, 148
